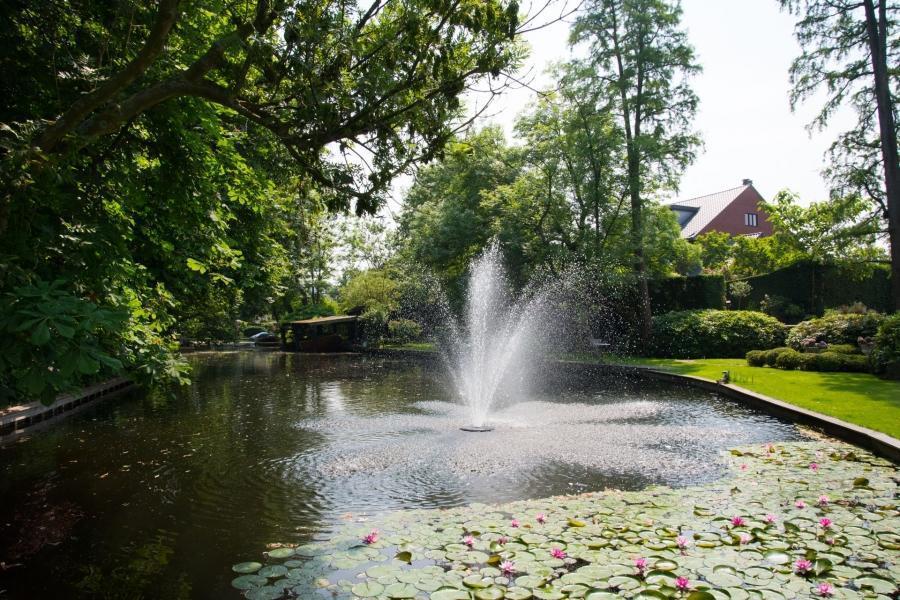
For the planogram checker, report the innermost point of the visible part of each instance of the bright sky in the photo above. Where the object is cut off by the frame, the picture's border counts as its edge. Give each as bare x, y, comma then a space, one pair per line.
745, 120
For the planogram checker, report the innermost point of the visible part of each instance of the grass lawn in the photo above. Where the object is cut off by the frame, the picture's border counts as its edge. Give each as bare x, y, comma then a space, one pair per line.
857, 398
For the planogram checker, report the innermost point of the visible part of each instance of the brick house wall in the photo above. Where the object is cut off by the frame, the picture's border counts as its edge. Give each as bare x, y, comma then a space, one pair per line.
732, 218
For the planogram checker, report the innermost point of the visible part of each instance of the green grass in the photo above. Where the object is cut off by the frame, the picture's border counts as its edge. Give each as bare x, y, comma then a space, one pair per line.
857, 398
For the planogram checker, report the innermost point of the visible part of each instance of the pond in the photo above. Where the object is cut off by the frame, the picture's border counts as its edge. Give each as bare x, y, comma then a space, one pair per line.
157, 495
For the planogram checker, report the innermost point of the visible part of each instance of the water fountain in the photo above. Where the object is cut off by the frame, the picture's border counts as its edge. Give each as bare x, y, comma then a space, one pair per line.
497, 341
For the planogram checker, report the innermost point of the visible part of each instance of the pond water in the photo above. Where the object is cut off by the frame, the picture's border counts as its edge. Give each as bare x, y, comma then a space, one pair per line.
153, 495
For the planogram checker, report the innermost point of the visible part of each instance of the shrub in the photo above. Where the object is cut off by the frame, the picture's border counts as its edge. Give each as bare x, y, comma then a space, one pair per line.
781, 308
789, 360
773, 354
886, 353
373, 326
835, 328
833, 361
714, 333
844, 349
403, 331
756, 358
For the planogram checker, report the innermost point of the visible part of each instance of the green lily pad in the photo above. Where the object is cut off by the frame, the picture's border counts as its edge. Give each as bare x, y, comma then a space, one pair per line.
280, 553
248, 582
247, 567
367, 589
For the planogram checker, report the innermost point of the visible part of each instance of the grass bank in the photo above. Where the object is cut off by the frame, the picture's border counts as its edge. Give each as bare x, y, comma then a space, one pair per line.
857, 398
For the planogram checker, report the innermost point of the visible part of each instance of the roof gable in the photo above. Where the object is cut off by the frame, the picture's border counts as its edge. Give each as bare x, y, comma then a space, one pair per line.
694, 214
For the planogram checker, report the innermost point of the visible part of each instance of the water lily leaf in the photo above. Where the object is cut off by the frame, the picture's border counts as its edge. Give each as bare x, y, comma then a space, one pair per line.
281, 552
576, 523
601, 595
404, 556
247, 567
777, 558
548, 593
823, 565
700, 595
450, 594
493, 559
248, 582
860, 482
491, 593
400, 590
367, 589
516, 593
272, 571
267, 592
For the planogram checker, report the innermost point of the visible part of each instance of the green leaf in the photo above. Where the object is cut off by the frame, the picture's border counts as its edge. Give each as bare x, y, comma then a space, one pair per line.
40, 335
196, 265
404, 556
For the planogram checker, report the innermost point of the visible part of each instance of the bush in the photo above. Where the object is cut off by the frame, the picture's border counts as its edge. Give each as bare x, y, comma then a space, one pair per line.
835, 328
373, 326
844, 349
403, 331
781, 308
789, 360
886, 353
756, 358
714, 333
833, 361
773, 354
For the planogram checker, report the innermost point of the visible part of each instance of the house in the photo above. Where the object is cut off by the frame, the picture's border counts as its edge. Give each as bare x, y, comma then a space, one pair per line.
735, 211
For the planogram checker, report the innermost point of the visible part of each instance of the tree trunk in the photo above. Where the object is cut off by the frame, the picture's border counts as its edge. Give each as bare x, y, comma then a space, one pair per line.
637, 244
876, 30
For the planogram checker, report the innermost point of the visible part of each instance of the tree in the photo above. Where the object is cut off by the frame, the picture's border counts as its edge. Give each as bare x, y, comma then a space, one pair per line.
851, 49
640, 59
379, 82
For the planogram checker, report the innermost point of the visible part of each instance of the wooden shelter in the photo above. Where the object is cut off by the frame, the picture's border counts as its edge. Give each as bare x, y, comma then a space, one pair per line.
323, 334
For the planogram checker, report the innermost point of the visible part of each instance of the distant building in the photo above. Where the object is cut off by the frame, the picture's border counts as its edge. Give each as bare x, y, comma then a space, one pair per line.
735, 211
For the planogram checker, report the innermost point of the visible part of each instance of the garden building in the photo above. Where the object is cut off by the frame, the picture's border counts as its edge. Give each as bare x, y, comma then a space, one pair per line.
735, 211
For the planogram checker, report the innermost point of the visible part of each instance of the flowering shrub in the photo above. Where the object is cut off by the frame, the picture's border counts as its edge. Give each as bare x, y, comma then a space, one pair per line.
714, 333
834, 328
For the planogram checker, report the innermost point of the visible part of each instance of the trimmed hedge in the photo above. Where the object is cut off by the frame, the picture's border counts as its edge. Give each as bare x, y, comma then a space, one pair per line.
687, 293
789, 359
714, 333
814, 287
835, 328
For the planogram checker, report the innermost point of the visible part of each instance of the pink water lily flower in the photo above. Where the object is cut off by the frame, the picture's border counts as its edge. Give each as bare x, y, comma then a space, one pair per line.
803, 566
743, 467
502, 540
558, 553
738, 521
507, 567
469, 541
682, 543
770, 448
745, 538
824, 522
514, 523
640, 563
771, 519
823, 500
800, 504
541, 518
813, 466
682, 584
371, 537
825, 589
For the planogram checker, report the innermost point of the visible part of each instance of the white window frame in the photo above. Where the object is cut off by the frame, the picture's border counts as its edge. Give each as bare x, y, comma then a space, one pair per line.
751, 220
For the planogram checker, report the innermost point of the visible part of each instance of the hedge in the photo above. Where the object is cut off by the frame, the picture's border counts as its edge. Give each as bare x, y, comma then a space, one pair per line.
836, 328
814, 287
714, 333
687, 293
789, 359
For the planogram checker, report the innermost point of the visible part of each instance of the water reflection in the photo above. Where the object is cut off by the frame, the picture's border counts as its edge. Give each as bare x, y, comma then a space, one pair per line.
150, 495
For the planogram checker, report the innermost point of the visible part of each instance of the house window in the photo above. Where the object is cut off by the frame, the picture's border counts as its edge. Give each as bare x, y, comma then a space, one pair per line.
750, 220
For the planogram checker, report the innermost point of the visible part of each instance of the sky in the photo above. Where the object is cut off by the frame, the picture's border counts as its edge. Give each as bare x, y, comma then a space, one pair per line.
745, 120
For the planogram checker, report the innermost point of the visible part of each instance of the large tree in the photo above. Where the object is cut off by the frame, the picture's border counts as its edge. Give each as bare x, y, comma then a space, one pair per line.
355, 92
640, 58
851, 51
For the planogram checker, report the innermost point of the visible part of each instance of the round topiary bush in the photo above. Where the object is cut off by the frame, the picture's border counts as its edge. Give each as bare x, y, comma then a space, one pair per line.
834, 362
756, 358
835, 328
789, 360
773, 354
714, 333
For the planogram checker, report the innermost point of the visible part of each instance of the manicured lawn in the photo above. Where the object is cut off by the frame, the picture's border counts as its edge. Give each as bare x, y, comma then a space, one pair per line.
858, 398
